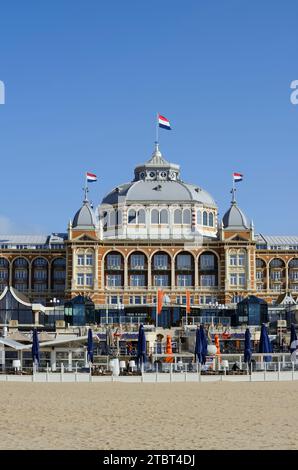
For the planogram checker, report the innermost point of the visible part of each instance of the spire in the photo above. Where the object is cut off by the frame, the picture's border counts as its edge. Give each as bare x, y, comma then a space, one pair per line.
157, 158
233, 192
86, 191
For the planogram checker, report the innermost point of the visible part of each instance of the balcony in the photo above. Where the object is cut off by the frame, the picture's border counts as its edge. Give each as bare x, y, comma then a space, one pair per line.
161, 267
114, 268
138, 268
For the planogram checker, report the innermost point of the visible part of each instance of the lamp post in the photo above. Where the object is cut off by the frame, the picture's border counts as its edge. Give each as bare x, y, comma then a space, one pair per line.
120, 307
54, 302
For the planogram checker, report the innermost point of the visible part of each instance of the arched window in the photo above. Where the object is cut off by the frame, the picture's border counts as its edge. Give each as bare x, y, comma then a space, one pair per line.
132, 216
260, 263
276, 263
178, 216
205, 218
118, 217
154, 216
186, 216
199, 218
141, 216
112, 218
211, 220
294, 263
164, 216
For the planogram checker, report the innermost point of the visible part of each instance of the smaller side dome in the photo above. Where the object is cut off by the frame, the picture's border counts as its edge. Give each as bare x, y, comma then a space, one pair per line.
84, 218
235, 219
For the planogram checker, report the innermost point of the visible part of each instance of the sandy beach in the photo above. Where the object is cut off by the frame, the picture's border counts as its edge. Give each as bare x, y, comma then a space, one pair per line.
149, 416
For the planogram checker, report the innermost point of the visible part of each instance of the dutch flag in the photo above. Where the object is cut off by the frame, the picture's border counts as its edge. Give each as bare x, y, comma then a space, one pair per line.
237, 177
91, 178
164, 122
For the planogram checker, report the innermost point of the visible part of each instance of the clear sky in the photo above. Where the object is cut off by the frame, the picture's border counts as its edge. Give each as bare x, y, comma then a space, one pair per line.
84, 80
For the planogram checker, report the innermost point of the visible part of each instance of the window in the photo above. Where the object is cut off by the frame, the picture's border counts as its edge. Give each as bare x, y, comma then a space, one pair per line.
40, 275
186, 217
260, 263
260, 287
276, 263
208, 280
132, 216
80, 279
161, 280
3, 275
294, 276
21, 274
21, 286
207, 262
276, 275
164, 216
40, 287
277, 288
241, 279
118, 217
20, 262
141, 216
81, 260
154, 216
59, 275
241, 259
89, 279
184, 262
199, 218
233, 279
294, 263
114, 299
178, 216
3, 262
114, 261
114, 280
184, 280
137, 280
205, 218
137, 261
160, 261
211, 219
40, 262
233, 260
259, 275
89, 260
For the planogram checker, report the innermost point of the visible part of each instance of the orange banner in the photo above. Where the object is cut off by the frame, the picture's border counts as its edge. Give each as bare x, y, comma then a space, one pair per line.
159, 301
187, 301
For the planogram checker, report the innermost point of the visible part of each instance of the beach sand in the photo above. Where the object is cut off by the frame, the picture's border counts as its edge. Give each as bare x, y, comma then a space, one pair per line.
149, 416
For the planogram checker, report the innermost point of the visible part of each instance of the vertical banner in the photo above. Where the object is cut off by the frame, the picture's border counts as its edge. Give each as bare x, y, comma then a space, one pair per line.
159, 301
187, 302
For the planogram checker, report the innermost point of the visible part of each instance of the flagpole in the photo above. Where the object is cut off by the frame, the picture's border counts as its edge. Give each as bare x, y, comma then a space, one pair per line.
157, 130
86, 187
234, 189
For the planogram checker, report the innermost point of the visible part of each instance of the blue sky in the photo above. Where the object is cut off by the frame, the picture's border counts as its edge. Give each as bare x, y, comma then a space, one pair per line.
85, 79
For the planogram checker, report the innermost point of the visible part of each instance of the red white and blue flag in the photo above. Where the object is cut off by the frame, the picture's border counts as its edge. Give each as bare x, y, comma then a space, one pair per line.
91, 178
237, 177
164, 122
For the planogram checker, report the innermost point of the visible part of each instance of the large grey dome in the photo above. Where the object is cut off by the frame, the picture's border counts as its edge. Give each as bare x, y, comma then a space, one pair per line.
235, 219
158, 180
163, 191
85, 217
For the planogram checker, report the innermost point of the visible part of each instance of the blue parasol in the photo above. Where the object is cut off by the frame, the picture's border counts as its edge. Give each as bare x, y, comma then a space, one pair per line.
35, 347
198, 346
90, 346
204, 344
293, 338
265, 344
247, 347
141, 349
